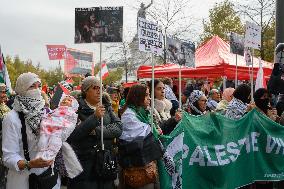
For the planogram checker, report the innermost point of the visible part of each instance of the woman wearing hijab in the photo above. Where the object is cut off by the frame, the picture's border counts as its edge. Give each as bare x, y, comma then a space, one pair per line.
86, 138
227, 96
29, 103
197, 103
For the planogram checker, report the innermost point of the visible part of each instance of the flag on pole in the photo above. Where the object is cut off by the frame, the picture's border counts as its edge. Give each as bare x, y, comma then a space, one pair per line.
104, 71
4, 75
260, 81
56, 52
59, 91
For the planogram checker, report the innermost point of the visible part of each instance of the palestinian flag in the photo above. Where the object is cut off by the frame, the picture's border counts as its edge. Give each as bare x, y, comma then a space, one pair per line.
4, 75
59, 91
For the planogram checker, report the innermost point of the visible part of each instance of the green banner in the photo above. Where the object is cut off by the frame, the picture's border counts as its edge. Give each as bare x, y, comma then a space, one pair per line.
212, 151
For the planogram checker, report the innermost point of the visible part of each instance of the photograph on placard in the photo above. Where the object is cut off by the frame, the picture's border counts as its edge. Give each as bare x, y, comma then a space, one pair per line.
180, 52
248, 56
98, 24
188, 53
237, 44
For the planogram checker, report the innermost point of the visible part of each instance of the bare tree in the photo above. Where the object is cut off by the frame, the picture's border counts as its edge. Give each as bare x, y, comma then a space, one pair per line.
174, 18
262, 13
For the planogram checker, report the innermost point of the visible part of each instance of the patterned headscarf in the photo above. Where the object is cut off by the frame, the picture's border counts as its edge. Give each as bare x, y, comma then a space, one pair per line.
24, 81
194, 97
33, 108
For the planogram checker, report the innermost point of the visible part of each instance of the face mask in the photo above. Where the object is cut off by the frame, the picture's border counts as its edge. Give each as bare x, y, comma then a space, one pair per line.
34, 93
262, 104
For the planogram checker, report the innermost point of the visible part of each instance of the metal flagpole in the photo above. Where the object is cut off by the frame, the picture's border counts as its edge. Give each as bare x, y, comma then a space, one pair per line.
224, 82
152, 93
179, 84
101, 98
236, 77
252, 76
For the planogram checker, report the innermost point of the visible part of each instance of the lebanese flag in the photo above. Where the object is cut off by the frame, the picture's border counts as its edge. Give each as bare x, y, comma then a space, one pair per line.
104, 71
69, 80
260, 81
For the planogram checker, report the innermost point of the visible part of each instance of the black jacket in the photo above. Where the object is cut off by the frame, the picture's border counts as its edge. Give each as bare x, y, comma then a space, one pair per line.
84, 141
168, 126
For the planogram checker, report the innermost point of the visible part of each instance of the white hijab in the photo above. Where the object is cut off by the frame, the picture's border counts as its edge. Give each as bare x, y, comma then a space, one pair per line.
30, 102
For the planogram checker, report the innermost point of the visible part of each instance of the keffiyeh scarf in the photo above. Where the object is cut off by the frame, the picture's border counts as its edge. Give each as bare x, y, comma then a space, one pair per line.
195, 96
236, 109
33, 110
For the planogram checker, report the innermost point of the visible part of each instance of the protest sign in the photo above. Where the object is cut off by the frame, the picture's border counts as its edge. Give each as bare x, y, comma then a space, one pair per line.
149, 36
212, 151
56, 52
236, 44
173, 48
248, 56
188, 52
98, 24
180, 52
253, 36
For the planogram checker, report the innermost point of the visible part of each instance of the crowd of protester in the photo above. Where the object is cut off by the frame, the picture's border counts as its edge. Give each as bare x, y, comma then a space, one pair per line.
111, 144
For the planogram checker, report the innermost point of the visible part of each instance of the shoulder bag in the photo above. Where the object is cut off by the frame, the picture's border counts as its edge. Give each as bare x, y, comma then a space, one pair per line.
46, 180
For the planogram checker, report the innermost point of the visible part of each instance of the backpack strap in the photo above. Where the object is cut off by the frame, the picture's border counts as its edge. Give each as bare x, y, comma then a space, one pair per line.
24, 136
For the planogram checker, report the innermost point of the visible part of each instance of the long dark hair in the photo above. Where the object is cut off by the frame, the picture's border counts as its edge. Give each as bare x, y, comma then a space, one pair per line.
135, 96
242, 93
156, 82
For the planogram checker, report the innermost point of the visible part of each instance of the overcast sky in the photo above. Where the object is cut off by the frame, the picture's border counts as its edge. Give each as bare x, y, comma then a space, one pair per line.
26, 26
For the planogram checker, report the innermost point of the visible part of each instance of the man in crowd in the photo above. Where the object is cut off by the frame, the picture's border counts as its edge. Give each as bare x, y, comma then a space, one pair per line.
170, 95
214, 98
114, 95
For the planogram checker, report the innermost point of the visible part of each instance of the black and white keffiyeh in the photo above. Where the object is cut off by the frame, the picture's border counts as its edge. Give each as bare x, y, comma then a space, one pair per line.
236, 109
33, 110
195, 96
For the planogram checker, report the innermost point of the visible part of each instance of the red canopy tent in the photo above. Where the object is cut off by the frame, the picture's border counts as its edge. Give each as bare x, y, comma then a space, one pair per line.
213, 60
